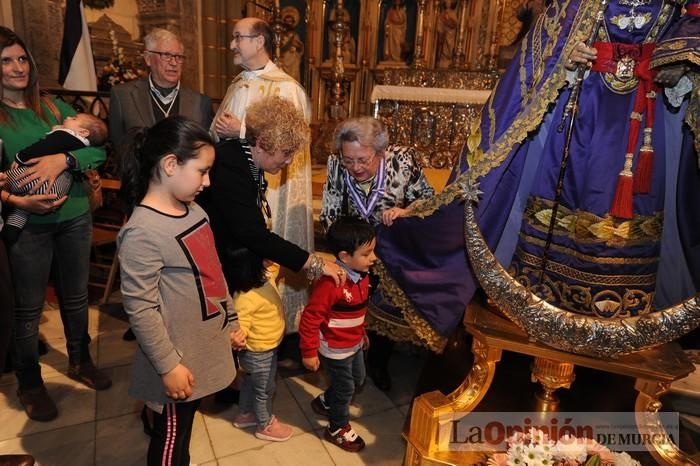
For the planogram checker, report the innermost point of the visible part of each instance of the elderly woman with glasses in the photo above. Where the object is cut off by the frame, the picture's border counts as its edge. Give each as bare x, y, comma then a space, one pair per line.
369, 178
379, 182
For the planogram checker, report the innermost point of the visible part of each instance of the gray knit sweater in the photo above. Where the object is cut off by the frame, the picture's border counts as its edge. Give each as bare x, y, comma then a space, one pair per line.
178, 305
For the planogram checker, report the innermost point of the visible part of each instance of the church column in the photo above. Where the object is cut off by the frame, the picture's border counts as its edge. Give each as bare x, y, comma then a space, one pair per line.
277, 31
459, 55
336, 109
496, 20
419, 59
218, 18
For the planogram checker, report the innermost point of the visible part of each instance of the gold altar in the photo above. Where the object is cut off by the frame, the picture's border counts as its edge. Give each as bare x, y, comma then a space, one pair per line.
431, 110
653, 370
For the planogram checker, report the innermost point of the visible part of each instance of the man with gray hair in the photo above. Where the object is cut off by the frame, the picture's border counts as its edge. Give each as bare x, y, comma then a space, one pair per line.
144, 102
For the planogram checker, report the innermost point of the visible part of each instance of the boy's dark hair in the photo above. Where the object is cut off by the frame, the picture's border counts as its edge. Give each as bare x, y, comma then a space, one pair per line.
243, 270
349, 233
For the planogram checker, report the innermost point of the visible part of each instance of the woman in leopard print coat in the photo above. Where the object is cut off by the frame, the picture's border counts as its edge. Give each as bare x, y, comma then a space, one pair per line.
363, 158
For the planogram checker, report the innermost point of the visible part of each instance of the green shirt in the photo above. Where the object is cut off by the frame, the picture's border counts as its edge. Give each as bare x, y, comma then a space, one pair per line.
27, 128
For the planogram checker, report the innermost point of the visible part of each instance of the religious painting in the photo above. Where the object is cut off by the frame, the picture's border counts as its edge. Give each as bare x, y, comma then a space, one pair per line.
351, 17
292, 50
397, 27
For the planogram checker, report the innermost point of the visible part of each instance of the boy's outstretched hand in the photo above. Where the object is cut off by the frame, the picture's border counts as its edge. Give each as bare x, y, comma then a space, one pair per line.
311, 364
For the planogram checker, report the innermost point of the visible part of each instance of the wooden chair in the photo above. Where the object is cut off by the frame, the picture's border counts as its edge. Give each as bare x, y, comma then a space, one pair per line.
107, 220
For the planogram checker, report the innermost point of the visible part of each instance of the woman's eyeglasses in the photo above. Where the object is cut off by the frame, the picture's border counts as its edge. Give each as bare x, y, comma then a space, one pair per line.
362, 162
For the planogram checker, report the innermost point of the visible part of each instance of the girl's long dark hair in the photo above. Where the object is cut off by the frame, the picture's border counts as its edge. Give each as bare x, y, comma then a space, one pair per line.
139, 165
243, 270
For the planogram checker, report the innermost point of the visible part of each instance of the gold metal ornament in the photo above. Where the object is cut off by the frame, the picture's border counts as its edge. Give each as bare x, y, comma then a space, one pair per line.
563, 329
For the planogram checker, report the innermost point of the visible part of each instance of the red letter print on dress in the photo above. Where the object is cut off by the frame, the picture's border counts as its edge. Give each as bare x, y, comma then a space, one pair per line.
197, 243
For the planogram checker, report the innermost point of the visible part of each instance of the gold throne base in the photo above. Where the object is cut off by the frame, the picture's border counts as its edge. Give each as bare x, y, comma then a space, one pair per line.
654, 370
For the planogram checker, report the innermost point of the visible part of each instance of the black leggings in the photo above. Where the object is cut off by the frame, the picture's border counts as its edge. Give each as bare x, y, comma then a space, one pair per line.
170, 437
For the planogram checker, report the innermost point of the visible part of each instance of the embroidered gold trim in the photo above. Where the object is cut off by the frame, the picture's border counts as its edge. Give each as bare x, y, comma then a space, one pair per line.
553, 26
492, 119
588, 228
537, 63
634, 3
376, 322
522, 71
673, 45
588, 258
619, 87
616, 20
606, 304
586, 277
660, 22
425, 335
474, 152
687, 55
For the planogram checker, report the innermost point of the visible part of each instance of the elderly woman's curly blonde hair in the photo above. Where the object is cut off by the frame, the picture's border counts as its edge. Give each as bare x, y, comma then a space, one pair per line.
277, 124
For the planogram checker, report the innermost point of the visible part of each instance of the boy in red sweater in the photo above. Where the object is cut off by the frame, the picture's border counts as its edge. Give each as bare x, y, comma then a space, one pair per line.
332, 328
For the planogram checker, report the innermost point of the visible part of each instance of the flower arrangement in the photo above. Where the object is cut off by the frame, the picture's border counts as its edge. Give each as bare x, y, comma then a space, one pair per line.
119, 70
536, 449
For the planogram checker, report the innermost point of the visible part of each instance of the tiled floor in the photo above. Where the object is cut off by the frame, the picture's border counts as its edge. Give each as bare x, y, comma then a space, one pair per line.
104, 429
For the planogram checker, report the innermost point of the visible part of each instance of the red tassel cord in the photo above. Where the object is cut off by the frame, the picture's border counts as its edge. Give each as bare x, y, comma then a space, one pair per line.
622, 205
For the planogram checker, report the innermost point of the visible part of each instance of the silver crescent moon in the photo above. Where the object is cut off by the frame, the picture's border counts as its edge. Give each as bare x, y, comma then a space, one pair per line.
563, 329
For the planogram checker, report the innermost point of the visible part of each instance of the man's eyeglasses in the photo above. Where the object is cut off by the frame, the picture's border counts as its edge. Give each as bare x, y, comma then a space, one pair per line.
169, 57
238, 36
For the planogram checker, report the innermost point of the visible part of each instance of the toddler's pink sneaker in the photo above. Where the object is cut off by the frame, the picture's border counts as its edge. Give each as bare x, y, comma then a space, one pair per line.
275, 431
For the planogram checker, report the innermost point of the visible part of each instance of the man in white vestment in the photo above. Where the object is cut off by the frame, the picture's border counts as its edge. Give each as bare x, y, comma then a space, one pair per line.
289, 192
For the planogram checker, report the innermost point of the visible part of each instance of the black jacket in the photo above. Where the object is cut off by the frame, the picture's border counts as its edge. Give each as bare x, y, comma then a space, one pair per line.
232, 202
